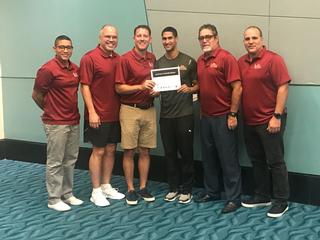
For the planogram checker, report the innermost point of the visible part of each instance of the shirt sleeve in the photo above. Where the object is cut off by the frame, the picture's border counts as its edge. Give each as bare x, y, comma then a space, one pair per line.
43, 80
121, 71
231, 69
193, 70
279, 71
86, 70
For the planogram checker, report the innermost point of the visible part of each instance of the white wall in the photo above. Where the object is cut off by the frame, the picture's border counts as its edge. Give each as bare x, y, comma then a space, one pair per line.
290, 27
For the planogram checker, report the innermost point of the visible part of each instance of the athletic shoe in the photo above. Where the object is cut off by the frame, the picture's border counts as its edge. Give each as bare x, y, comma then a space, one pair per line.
111, 192
185, 198
73, 201
98, 198
132, 197
204, 197
148, 197
171, 196
277, 210
256, 201
59, 206
230, 206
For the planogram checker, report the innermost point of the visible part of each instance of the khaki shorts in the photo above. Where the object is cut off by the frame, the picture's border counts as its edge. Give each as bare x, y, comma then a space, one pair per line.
138, 127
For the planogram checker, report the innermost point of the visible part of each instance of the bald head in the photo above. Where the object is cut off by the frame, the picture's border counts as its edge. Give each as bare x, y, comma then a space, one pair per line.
107, 27
108, 38
254, 27
252, 40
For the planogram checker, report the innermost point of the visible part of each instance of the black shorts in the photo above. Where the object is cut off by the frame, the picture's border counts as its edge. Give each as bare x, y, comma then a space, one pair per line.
108, 132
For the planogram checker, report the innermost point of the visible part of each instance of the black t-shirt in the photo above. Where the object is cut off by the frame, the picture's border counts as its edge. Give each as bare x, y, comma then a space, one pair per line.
175, 104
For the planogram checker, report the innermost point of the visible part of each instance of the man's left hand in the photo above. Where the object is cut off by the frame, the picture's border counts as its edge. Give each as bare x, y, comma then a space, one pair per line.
232, 122
274, 125
184, 89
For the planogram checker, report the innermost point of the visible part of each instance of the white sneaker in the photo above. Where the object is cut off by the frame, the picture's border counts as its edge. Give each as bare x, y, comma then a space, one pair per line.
73, 201
111, 192
98, 198
59, 206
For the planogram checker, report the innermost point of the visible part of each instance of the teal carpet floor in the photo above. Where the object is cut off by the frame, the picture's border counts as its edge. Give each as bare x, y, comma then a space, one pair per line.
24, 214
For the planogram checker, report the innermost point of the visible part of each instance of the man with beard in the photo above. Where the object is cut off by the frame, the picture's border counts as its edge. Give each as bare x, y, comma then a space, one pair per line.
176, 119
220, 93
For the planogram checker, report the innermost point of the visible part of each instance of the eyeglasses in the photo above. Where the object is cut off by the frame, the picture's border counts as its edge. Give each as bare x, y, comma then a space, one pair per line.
111, 37
62, 47
205, 37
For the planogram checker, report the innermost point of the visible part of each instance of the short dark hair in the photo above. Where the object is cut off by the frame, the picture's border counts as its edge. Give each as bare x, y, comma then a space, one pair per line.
144, 27
255, 27
209, 26
170, 29
61, 37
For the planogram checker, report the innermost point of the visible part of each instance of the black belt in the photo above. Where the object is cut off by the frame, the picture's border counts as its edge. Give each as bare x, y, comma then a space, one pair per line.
143, 106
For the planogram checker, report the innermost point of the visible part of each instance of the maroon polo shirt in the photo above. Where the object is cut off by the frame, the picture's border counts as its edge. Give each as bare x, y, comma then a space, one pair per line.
215, 73
97, 70
261, 78
60, 86
134, 69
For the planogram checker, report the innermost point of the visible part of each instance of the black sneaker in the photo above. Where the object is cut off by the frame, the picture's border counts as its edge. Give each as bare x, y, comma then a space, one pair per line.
132, 197
277, 210
230, 206
203, 197
256, 201
144, 193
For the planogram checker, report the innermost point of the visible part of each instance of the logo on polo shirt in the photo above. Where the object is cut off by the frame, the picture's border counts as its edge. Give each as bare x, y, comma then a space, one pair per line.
75, 74
182, 67
213, 65
257, 66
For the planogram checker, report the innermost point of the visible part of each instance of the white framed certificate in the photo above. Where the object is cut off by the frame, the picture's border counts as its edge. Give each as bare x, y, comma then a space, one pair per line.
166, 79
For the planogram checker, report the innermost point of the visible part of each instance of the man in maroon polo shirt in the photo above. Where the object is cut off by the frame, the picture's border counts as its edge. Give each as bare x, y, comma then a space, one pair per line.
55, 91
220, 93
137, 113
265, 89
102, 127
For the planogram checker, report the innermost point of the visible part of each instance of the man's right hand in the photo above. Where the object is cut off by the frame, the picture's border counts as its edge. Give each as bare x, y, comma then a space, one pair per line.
148, 84
94, 120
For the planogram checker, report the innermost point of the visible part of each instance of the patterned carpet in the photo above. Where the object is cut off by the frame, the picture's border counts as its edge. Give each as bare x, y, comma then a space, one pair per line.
24, 214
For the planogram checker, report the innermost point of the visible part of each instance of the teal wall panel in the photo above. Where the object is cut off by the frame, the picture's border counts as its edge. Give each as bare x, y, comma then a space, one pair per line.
302, 149
28, 28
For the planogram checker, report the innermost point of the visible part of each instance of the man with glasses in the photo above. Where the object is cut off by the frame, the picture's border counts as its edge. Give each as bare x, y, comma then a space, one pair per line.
176, 119
55, 91
137, 112
102, 128
265, 91
220, 93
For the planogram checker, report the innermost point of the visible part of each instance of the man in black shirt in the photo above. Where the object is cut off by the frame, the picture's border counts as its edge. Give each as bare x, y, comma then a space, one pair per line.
176, 119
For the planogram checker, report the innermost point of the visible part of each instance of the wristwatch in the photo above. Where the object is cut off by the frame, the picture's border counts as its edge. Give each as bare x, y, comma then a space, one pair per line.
277, 115
232, 114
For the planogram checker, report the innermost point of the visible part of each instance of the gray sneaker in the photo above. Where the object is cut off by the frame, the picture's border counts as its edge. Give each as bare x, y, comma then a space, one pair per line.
171, 196
185, 198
